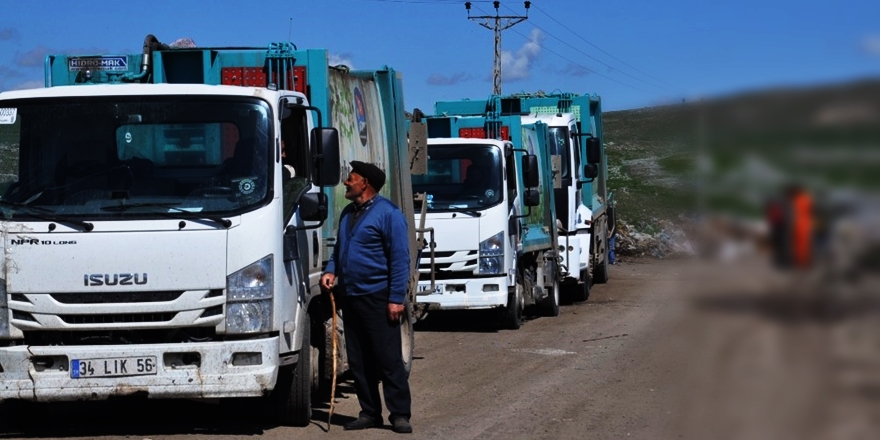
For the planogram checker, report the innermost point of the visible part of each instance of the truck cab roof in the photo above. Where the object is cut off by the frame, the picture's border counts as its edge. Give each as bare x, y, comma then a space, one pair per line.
147, 89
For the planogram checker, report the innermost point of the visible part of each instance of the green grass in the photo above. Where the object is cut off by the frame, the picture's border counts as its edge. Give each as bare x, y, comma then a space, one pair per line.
825, 137
681, 164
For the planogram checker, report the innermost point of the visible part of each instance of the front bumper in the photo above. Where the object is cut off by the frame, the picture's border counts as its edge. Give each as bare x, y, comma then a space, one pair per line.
214, 377
460, 294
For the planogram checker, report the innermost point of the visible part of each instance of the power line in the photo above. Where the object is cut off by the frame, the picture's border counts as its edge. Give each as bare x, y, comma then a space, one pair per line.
581, 65
578, 64
670, 87
606, 53
595, 59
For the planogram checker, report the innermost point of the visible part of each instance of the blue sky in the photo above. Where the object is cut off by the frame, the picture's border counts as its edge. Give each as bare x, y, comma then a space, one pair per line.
633, 53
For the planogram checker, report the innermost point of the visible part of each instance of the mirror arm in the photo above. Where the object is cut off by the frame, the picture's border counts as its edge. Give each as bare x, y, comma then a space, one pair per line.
291, 228
528, 213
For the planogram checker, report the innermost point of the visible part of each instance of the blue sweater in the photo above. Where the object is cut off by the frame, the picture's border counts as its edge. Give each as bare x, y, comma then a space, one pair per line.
373, 257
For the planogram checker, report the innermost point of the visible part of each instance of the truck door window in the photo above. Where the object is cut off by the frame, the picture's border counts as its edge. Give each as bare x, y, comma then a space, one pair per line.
10, 137
576, 146
559, 146
294, 153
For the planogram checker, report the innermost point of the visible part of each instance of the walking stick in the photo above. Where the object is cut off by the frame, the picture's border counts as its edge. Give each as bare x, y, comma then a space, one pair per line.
334, 337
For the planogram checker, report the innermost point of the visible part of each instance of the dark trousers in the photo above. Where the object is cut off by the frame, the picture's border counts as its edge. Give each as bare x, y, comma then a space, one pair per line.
373, 345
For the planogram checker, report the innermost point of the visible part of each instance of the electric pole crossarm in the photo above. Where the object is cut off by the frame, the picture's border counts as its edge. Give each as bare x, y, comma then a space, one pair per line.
497, 27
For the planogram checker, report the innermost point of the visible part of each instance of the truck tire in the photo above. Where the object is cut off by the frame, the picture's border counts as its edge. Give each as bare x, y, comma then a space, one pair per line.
407, 336
511, 317
580, 290
600, 270
293, 390
612, 221
549, 306
601, 274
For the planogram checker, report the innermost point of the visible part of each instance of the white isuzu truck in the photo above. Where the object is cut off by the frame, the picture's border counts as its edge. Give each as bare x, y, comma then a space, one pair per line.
489, 219
165, 218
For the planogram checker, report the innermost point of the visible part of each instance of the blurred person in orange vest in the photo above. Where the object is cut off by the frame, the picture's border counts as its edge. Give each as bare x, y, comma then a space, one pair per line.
801, 205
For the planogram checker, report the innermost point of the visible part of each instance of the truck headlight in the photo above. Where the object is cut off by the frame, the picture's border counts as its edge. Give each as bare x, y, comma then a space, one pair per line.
249, 295
4, 310
492, 255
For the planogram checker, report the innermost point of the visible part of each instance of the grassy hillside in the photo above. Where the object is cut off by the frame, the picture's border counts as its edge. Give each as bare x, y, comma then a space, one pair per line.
731, 154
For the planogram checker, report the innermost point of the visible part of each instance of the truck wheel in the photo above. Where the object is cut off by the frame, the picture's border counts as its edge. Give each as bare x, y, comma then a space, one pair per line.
407, 336
550, 306
293, 390
600, 271
513, 313
580, 290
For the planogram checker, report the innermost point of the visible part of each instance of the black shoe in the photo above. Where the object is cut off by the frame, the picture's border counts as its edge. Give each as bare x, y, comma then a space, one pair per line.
401, 425
361, 423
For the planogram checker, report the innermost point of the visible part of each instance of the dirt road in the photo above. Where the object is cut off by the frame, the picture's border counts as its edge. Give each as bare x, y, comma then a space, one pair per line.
668, 349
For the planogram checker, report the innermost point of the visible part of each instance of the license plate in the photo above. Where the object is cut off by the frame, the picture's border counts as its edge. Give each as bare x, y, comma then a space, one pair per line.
425, 289
113, 367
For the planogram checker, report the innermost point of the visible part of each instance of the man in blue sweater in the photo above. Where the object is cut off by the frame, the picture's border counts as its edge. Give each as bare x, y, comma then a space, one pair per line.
370, 270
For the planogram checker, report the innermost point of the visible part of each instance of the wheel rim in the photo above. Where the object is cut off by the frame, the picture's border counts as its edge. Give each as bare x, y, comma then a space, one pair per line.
521, 302
406, 332
315, 367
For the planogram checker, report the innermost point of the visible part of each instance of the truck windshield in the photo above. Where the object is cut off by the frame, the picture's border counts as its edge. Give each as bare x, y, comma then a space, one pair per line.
461, 177
133, 157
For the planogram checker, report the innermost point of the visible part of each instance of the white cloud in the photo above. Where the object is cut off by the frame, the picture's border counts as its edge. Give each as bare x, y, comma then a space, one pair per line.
871, 45
516, 66
343, 59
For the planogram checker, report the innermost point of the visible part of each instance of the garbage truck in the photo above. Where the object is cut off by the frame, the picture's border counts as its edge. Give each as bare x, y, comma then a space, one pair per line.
489, 224
582, 203
166, 216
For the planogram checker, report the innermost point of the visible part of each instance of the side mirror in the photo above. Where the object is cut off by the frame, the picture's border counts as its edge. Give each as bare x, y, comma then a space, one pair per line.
325, 151
594, 150
530, 170
313, 207
533, 197
591, 171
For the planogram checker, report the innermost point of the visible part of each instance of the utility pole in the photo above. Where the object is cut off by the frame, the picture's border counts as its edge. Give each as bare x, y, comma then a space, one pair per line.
499, 23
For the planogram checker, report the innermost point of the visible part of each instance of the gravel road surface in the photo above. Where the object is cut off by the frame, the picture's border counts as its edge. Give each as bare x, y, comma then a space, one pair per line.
668, 349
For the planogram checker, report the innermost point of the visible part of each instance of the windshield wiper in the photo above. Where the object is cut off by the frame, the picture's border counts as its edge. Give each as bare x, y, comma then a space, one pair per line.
471, 213
48, 215
225, 222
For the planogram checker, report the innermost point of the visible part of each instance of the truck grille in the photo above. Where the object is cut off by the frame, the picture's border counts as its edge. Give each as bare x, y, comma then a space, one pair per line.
448, 260
116, 297
120, 310
118, 318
